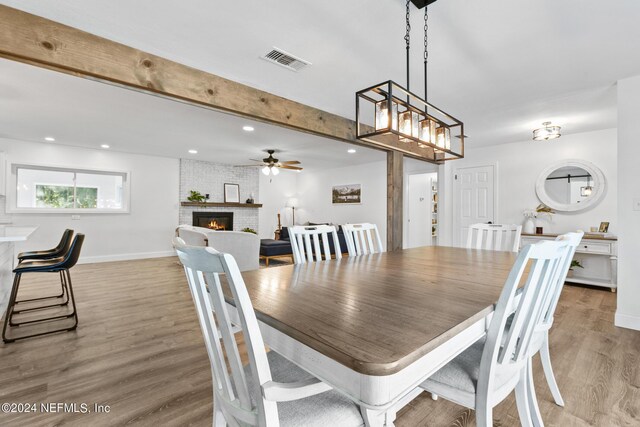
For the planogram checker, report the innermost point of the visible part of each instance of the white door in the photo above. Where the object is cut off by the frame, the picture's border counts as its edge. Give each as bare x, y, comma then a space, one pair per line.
473, 199
419, 210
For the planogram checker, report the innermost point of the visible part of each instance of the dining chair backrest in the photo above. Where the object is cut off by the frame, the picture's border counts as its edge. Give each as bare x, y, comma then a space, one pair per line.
362, 239
307, 241
573, 240
494, 237
508, 349
232, 391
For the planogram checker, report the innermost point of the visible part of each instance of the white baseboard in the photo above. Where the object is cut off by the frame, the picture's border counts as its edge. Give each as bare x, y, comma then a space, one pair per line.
124, 257
627, 321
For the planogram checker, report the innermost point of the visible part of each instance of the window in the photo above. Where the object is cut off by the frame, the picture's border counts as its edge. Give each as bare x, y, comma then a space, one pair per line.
53, 189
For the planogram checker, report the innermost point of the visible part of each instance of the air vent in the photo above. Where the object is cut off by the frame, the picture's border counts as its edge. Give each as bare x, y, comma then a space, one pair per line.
290, 62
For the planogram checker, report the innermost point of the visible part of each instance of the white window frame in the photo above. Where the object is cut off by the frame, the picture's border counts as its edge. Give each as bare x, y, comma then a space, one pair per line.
12, 189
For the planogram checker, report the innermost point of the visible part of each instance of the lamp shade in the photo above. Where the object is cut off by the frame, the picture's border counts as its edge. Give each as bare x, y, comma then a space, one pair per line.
292, 203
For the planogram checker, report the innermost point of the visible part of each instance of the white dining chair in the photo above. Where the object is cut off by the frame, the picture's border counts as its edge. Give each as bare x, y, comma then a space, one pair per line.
541, 338
310, 240
489, 370
494, 237
270, 391
362, 239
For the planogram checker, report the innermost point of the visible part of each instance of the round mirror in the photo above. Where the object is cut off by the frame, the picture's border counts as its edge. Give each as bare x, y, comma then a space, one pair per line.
571, 185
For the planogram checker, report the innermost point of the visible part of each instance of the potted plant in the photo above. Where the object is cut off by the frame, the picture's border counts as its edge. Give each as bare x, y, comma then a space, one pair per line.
196, 196
574, 264
249, 230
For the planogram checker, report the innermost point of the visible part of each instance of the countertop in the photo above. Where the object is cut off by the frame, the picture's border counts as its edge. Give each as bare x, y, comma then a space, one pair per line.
11, 233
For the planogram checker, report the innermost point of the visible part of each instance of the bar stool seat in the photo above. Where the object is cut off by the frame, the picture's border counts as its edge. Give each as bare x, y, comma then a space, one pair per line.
51, 265
59, 265
58, 251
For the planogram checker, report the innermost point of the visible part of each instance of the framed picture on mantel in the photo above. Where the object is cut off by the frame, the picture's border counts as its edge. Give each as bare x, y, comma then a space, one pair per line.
232, 193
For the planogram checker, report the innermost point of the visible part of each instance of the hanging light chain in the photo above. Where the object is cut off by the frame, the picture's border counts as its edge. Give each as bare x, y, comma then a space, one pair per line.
407, 35
407, 39
426, 54
426, 29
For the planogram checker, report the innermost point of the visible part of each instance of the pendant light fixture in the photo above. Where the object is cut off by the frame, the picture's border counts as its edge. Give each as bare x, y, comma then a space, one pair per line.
588, 190
547, 132
401, 120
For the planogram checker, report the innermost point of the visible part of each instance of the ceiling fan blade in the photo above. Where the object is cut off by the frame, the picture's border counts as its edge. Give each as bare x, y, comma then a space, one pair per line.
291, 162
256, 160
260, 166
295, 168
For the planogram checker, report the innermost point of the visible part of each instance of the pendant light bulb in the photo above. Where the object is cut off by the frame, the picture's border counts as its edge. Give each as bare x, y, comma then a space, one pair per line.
265, 170
275, 171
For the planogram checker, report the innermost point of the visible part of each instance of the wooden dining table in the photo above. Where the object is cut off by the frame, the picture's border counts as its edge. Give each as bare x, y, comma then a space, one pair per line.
375, 326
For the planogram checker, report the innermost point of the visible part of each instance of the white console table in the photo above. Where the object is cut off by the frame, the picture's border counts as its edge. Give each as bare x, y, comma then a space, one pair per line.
8, 236
598, 255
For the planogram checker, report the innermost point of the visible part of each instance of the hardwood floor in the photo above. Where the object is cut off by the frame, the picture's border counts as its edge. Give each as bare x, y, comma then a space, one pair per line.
138, 349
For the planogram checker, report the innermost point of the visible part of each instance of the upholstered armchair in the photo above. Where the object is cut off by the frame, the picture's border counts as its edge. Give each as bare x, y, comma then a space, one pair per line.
245, 247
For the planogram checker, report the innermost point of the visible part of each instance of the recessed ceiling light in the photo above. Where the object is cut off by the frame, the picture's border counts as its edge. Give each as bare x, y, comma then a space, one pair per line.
351, 150
49, 138
248, 128
193, 151
105, 146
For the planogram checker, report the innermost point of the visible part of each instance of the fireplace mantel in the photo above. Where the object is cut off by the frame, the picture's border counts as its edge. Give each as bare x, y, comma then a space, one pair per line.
221, 205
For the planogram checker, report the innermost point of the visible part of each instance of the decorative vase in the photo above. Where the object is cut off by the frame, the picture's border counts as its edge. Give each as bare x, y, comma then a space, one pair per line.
529, 226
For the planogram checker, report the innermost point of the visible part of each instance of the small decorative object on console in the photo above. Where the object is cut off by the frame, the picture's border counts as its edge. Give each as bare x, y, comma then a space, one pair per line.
529, 226
604, 227
574, 264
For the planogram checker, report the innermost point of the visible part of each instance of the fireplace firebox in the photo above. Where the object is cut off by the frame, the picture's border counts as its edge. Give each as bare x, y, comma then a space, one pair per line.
220, 221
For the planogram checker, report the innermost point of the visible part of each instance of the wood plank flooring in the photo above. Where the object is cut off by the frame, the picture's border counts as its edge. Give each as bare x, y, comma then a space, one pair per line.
138, 349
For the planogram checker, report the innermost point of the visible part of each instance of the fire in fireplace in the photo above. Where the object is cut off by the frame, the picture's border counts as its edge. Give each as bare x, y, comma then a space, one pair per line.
215, 225
214, 220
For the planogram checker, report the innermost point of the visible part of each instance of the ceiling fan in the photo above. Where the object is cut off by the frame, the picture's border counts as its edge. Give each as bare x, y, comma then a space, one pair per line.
271, 165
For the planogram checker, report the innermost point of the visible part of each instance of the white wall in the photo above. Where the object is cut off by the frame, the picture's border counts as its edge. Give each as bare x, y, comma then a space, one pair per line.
144, 232
412, 167
628, 312
274, 193
314, 189
519, 165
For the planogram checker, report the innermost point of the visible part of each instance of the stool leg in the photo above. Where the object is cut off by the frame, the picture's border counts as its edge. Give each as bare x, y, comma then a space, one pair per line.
8, 313
49, 297
73, 314
73, 300
63, 285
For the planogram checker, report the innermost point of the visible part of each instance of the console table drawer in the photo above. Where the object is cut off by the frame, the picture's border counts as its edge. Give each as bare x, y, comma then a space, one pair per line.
594, 248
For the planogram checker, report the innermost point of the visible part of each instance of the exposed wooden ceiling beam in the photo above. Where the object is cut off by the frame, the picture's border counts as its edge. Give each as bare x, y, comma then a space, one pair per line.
39, 41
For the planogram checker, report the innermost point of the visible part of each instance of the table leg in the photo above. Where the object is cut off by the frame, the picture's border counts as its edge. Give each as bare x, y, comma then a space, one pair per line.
377, 419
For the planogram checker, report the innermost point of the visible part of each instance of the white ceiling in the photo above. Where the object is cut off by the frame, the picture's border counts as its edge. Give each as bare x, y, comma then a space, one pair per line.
502, 66
35, 103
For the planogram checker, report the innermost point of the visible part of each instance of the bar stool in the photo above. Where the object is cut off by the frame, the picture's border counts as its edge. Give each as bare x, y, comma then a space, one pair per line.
56, 265
58, 251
